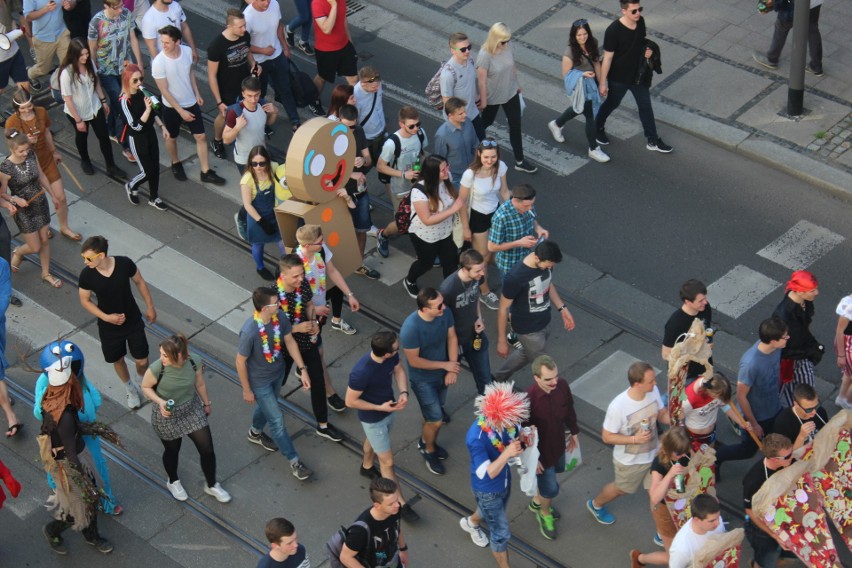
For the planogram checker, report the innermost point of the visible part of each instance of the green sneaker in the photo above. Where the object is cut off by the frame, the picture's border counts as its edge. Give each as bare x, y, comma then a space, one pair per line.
545, 525
536, 508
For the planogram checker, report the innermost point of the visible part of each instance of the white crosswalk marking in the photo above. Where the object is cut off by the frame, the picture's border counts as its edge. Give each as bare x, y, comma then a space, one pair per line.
737, 291
600, 384
801, 246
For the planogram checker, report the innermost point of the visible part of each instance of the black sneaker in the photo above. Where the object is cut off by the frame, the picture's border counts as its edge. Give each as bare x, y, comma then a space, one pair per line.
132, 195
368, 272
116, 172
601, 138
102, 545
210, 176
408, 514
336, 403
305, 47
87, 168
218, 148
55, 542
263, 441
439, 451
36, 85
15, 301
158, 204
330, 432
659, 146
177, 171
316, 108
525, 166
300, 471
412, 289
433, 464
513, 340
372, 472
289, 36
815, 72
265, 274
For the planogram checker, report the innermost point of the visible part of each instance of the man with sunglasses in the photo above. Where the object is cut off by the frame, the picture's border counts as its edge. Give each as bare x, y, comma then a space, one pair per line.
778, 454
120, 324
803, 420
369, 100
458, 79
624, 47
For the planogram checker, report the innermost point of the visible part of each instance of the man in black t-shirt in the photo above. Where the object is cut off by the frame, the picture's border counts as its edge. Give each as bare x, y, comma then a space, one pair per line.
803, 420
693, 294
229, 61
625, 50
120, 324
384, 545
528, 292
778, 452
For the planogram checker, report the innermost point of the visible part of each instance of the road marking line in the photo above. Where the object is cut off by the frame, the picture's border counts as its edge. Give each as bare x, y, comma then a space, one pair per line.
603, 382
739, 290
801, 246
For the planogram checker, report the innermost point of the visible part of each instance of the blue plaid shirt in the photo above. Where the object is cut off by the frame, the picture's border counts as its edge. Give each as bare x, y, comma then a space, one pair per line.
508, 225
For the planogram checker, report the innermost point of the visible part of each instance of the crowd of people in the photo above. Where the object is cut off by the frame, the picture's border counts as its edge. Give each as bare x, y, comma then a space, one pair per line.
460, 212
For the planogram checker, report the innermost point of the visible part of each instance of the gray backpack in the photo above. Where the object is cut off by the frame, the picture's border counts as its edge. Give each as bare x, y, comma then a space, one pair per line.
334, 546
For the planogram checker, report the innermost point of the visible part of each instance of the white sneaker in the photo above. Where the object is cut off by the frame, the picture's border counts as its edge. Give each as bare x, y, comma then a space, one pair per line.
133, 401
556, 131
598, 155
476, 533
218, 492
373, 231
177, 490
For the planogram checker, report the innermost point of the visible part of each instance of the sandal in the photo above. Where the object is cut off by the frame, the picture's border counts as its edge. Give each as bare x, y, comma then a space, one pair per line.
13, 430
16, 256
52, 280
71, 235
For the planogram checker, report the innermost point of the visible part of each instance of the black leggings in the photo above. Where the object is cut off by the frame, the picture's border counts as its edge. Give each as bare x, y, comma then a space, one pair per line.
98, 124
335, 297
146, 150
591, 128
313, 362
445, 250
203, 441
512, 108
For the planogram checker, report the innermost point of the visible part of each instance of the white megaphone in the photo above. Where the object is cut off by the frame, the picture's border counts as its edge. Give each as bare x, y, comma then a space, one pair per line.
7, 39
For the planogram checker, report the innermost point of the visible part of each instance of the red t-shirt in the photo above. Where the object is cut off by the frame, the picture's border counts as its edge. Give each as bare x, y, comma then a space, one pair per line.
337, 39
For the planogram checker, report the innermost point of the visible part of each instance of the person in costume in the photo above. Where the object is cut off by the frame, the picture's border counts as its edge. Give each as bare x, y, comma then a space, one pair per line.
492, 441
50, 356
76, 496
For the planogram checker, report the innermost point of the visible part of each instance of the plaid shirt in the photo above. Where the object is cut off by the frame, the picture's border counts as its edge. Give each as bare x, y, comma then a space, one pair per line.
508, 225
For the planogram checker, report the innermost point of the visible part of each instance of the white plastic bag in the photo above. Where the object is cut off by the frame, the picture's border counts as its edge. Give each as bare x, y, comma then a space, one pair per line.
573, 459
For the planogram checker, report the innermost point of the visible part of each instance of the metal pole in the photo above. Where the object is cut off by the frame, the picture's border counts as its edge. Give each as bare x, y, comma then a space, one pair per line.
796, 89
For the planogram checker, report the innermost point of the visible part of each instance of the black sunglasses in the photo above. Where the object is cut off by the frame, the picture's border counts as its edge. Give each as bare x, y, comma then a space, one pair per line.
375, 79
505, 42
259, 164
464, 49
413, 126
639, 9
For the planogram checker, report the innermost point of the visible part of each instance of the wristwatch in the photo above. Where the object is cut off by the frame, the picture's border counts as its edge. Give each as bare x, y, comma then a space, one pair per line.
300, 369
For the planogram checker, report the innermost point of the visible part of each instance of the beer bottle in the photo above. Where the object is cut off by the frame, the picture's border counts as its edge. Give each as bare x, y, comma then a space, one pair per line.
416, 167
477, 341
155, 102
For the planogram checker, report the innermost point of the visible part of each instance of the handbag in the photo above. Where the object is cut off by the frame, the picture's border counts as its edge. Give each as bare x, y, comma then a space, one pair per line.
458, 231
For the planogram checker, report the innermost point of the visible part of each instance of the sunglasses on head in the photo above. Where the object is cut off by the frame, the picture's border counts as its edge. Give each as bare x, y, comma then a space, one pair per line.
464, 49
635, 10
488, 143
259, 164
578, 23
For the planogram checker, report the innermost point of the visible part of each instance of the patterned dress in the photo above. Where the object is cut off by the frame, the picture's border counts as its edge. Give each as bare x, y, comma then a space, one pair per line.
23, 183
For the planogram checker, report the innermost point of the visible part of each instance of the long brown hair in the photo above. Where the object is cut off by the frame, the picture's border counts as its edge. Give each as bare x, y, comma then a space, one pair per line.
476, 164
675, 441
430, 173
72, 58
261, 151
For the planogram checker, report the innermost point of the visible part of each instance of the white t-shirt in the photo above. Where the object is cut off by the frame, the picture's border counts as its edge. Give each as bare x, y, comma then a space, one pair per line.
439, 231
485, 192
177, 72
154, 20
623, 416
263, 27
686, 544
409, 149
844, 308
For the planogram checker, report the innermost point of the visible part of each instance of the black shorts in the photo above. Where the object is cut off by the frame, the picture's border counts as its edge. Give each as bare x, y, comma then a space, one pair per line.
229, 98
479, 222
172, 120
340, 63
114, 345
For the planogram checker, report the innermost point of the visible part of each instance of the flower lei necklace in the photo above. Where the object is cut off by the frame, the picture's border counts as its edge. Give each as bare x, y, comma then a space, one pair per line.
296, 315
317, 285
496, 440
270, 354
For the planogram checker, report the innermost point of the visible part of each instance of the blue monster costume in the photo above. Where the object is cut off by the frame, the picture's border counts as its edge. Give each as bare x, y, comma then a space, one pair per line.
63, 353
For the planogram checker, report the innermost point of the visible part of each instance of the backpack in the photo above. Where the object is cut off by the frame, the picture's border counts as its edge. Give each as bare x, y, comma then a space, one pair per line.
397, 149
334, 546
304, 90
404, 212
433, 88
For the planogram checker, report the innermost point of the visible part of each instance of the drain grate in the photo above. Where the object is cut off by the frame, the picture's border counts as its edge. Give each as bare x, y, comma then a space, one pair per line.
352, 7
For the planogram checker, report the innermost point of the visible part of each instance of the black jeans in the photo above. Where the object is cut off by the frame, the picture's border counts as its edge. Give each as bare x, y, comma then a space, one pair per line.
203, 441
99, 126
588, 112
642, 96
335, 298
745, 449
146, 150
779, 38
313, 362
512, 108
90, 533
445, 250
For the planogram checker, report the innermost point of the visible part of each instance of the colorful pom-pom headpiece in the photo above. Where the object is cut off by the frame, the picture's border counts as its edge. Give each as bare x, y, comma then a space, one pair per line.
501, 407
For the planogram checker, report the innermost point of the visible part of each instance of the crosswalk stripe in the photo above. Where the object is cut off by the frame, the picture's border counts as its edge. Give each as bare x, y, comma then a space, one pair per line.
801, 246
737, 291
603, 382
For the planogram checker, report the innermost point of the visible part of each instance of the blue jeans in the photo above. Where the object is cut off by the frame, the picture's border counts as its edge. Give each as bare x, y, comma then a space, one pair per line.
361, 217
766, 549
479, 363
267, 411
303, 19
492, 508
278, 70
548, 486
642, 96
111, 85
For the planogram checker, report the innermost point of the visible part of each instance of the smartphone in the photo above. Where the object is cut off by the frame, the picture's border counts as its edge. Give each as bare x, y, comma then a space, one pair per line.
394, 403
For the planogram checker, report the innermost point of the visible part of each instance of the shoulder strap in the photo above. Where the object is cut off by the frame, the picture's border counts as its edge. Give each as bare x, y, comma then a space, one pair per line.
372, 108
397, 148
163, 371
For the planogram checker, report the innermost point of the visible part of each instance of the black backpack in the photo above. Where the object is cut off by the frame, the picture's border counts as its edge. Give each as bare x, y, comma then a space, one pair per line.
304, 90
397, 149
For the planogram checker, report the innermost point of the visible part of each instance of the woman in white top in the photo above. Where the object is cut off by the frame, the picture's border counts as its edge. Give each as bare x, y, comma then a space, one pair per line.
86, 105
499, 87
483, 189
843, 346
434, 202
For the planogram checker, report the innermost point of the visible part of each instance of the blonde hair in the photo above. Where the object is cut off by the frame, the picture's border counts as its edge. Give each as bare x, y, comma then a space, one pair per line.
306, 234
498, 32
